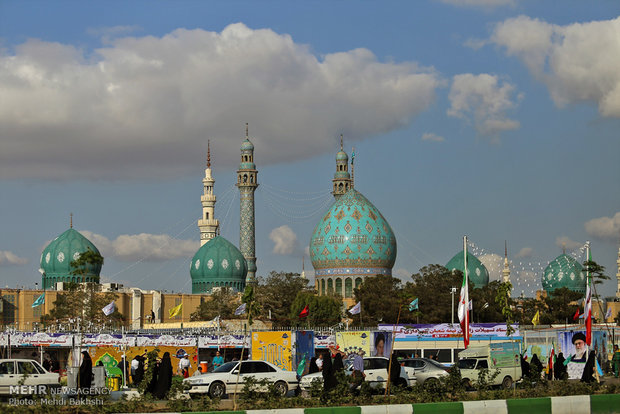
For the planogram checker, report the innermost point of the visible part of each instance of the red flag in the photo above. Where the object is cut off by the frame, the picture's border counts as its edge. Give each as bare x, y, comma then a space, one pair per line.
304, 312
576, 316
551, 360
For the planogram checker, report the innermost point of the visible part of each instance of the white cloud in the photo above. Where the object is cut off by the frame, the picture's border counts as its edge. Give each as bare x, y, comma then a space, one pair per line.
403, 274
604, 228
145, 106
480, 3
577, 62
284, 239
494, 264
482, 100
430, 136
9, 258
524, 252
143, 247
566, 242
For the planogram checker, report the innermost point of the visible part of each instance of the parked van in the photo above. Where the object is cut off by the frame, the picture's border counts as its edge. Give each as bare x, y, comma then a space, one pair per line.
504, 357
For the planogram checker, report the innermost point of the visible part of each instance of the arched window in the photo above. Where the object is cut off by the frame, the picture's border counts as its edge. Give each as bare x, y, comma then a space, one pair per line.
245, 178
339, 286
207, 215
252, 179
348, 288
323, 287
340, 187
330, 286
358, 282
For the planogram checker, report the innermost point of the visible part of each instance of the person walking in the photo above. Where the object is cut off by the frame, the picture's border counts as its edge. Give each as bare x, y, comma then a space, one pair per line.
616, 361
164, 377
218, 360
86, 371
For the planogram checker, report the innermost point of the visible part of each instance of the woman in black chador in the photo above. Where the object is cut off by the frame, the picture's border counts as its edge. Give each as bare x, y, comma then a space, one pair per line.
164, 377
329, 376
86, 371
313, 366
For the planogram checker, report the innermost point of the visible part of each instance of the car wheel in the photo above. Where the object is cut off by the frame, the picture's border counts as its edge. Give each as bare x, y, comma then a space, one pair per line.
217, 390
281, 387
507, 382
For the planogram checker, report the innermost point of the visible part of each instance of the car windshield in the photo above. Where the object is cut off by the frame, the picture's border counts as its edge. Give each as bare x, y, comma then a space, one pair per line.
227, 367
468, 363
437, 364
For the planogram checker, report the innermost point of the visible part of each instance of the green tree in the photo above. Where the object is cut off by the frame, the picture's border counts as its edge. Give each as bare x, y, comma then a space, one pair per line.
222, 302
381, 296
485, 306
252, 308
323, 310
506, 304
432, 286
561, 306
84, 263
276, 293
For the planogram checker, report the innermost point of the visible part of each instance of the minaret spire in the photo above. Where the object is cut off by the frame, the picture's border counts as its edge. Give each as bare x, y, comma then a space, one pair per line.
342, 179
506, 270
618, 274
208, 225
352, 167
70, 220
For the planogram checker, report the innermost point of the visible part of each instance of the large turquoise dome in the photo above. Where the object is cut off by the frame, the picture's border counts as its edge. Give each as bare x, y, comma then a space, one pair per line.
477, 273
57, 257
564, 271
218, 263
353, 238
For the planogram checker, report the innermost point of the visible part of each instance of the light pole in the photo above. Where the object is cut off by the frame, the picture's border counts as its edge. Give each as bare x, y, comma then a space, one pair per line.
452, 292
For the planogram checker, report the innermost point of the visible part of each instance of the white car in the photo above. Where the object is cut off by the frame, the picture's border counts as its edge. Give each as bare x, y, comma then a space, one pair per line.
34, 378
223, 380
376, 370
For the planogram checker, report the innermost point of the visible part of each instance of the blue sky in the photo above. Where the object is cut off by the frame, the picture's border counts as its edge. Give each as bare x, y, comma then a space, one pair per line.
497, 119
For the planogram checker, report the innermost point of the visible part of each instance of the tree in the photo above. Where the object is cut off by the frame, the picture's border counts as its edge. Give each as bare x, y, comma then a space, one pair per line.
252, 308
506, 304
432, 286
222, 303
83, 264
485, 306
381, 296
277, 293
561, 306
323, 310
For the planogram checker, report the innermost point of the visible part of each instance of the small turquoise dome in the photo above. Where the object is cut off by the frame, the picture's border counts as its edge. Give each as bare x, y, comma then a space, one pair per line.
564, 271
218, 263
353, 238
477, 273
247, 145
342, 156
57, 257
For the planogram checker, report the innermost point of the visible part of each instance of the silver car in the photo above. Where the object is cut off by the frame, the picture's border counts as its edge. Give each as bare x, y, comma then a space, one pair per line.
426, 369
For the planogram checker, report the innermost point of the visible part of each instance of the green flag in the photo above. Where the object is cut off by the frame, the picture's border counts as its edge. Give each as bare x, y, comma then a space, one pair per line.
40, 301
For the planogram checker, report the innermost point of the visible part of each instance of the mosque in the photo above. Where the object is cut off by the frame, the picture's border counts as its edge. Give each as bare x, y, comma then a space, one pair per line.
352, 241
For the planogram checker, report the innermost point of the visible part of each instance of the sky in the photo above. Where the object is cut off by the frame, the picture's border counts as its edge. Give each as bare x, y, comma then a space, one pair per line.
495, 119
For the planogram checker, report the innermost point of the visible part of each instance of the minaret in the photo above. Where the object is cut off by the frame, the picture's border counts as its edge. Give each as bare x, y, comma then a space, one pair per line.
303, 267
247, 182
342, 178
618, 274
506, 270
208, 225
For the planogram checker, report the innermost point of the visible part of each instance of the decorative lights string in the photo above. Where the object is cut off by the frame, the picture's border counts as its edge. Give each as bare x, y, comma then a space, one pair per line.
296, 212
527, 273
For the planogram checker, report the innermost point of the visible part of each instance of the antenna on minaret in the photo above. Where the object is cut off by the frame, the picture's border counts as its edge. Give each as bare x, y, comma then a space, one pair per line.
353, 167
70, 220
246, 130
563, 248
505, 249
341, 147
208, 153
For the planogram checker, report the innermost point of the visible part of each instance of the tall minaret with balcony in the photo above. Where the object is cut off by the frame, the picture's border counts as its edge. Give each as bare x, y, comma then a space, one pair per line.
506, 270
208, 225
247, 181
618, 274
342, 178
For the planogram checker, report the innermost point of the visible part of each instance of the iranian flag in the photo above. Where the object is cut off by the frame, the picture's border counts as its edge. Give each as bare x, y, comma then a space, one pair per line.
587, 309
463, 309
551, 360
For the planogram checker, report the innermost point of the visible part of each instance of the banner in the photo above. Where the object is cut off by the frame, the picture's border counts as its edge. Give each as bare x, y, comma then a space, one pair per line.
224, 341
274, 347
324, 341
352, 342
303, 346
166, 340
108, 340
381, 344
446, 330
41, 339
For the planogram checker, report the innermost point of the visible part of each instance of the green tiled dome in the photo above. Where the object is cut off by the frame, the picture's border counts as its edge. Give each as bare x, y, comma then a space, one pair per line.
57, 257
218, 263
566, 272
353, 238
476, 271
